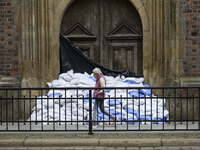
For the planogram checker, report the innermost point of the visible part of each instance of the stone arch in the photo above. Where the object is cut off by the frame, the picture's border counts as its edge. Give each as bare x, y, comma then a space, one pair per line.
64, 4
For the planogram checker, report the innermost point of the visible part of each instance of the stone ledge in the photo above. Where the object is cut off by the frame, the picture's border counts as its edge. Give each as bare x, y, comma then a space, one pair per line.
189, 81
9, 81
130, 142
11, 143
182, 142
60, 142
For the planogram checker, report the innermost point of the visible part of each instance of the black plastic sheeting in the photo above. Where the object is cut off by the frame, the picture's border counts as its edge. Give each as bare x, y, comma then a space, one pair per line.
72, 58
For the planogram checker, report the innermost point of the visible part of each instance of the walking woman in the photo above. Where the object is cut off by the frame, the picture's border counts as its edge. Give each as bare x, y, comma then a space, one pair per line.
99, 95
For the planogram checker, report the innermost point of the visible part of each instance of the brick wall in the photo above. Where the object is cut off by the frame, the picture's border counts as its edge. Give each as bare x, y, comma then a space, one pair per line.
9, 37
190, 10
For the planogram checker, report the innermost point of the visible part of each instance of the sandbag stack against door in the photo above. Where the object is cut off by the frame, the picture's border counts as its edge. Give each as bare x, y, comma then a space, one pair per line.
130, 105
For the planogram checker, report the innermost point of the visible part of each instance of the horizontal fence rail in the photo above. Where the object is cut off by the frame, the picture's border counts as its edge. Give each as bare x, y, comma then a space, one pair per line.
72, 109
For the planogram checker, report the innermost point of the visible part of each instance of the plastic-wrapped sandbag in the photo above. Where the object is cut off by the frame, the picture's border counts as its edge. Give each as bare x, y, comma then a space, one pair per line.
65, 76
156, 115
80, 112
113, 102
74, 81
137, 80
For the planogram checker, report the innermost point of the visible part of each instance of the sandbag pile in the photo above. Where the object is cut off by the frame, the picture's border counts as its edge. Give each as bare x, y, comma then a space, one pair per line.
130, 105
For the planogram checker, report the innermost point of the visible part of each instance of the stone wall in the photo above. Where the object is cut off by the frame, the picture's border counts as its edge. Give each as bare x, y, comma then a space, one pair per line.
9, 39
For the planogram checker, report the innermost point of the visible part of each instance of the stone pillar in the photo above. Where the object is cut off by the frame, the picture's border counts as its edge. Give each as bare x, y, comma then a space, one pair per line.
9, 102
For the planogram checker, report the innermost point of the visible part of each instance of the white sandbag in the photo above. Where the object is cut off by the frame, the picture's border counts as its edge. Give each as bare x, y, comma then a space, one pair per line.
86, 105
85, 81
117, 78
130, 116
77, 75
135, 107
74, 81
137, 80
80, 112
157, 115
128, 103
65, 76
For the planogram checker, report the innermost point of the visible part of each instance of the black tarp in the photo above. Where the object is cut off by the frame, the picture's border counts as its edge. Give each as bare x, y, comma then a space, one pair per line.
72, 58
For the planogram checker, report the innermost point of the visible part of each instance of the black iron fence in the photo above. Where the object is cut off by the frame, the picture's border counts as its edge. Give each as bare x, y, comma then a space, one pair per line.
71, 109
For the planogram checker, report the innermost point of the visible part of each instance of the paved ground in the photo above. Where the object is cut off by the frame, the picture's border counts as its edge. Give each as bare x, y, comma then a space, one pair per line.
100, 140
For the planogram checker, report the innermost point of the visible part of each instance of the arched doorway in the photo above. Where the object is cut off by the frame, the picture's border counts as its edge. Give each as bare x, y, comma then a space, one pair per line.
110, 32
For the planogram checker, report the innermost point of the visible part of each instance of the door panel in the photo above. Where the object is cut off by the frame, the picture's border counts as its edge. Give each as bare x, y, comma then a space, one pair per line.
108, 31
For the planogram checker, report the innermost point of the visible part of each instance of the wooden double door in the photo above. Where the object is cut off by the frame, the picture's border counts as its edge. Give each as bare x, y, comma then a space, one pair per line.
108, 31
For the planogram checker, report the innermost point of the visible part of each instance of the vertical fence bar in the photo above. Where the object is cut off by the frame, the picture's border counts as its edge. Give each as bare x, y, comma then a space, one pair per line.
139, 109
30, 106
199, 108
71, 108
42, 110
169, 109
24, 111
193, 110
77, 110
90, 113
174, 109
18, 112
181, 110
187, 111
145, 108
121, 107
6, 109
1, 110
53, 111
127, 109
35, 110
47, 110
65, 111
12, 112
151, 111
163, 109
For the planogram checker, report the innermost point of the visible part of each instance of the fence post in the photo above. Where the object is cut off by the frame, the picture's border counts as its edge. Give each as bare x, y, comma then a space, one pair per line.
90, 112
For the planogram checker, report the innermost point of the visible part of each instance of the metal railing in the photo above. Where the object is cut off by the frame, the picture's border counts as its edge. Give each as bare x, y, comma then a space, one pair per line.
70, 109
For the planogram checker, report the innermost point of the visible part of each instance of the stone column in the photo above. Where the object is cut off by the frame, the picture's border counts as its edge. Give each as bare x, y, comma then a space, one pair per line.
9, 102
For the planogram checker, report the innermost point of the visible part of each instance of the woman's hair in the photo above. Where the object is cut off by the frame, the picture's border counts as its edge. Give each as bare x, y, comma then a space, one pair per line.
97, 70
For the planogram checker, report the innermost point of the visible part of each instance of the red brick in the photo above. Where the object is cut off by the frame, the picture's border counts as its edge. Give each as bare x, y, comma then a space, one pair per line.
193, 62
9, 46
188, 18
188, 34
2, 4
2, 35
194, 14
194, 46
9, 23
188, 26
3, 43
3, 27
9, 70
9, 38
9, 31
194, 22
194, 54
194, 70
9, 8
15, 42
15, 66
8, 62
14, 58
15, 73
2, 11
17, 27
3, 19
